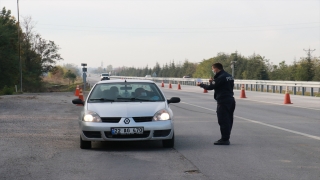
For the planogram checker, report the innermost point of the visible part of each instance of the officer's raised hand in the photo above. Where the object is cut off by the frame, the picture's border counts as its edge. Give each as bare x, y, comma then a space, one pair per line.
211, 80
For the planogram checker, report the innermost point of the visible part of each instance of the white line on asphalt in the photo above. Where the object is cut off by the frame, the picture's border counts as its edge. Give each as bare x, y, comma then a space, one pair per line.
258, 122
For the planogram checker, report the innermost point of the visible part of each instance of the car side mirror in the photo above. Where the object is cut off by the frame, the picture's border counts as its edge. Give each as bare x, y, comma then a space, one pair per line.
174, 100
77, 101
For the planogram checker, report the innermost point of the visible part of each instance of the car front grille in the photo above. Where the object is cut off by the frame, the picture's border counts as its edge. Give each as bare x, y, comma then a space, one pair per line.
143, 119
111, 119
92, 134
144, 135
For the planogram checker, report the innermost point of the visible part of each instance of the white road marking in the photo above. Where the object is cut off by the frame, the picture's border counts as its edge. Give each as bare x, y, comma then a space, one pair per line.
261, 123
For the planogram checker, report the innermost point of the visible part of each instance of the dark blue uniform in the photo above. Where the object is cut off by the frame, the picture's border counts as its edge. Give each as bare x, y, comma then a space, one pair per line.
223, 84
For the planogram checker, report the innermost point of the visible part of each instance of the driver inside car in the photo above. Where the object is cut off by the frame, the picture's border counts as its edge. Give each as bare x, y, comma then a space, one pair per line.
140, 92
113, 93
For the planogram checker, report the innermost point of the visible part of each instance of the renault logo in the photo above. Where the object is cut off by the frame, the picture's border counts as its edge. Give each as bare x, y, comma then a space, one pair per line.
127, 121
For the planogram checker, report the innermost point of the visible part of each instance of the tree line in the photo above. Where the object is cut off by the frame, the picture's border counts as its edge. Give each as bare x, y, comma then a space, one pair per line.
253, 67
167, 70
37, 55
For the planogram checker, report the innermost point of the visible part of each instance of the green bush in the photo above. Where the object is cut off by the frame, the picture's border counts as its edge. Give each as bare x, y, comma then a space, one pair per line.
7, 91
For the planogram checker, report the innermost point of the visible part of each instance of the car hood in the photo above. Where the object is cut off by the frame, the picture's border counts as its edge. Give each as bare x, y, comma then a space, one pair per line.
120, 109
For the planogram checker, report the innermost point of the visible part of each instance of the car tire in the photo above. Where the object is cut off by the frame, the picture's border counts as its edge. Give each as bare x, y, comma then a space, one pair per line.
85, 144
168, 143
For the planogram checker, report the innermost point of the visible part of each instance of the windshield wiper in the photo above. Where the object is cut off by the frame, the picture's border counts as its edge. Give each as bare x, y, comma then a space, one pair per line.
103, 99
135, 99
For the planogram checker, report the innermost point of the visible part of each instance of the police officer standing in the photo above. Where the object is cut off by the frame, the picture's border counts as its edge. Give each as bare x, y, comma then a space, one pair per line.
222, 84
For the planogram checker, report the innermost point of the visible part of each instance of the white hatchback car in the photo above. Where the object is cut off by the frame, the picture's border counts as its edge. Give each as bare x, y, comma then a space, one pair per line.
104, 76
126, 110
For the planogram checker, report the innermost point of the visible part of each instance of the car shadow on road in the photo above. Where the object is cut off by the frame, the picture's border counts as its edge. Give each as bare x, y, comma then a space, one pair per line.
128, 146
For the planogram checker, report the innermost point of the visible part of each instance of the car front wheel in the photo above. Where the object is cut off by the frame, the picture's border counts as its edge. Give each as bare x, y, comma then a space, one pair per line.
85, 144
168, 143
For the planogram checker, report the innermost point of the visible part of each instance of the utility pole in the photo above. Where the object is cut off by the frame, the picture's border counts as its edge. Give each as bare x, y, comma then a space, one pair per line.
19, 47
234, 62
309, 70
309, 51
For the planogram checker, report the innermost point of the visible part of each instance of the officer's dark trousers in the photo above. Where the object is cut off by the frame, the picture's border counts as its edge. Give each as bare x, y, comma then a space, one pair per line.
225, 112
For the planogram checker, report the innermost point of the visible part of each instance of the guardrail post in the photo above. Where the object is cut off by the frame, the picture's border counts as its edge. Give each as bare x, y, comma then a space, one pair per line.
246, 87
311, 91
250, 87
273, 89
280, 89
256, 87
267, 88
303, 91
295, 90
261, 89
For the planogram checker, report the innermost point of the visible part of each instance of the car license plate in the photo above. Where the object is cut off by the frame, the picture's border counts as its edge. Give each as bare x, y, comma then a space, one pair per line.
127, 131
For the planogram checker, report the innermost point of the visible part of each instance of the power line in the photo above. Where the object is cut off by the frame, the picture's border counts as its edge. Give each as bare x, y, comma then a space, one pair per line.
107, 27
119, 31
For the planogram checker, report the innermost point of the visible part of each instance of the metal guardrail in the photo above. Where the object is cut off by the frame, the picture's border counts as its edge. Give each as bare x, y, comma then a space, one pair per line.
252, 85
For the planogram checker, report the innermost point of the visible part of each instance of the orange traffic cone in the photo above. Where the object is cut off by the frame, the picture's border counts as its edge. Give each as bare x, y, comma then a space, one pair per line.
170, 86
205, 91
243, 93
179, 86
80, 96
162, 84
287, 97
77, 91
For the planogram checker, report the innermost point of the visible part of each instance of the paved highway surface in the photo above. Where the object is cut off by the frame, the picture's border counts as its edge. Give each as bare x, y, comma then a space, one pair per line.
40, 140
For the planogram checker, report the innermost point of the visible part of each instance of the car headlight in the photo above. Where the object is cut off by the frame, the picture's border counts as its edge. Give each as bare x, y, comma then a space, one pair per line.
161, 115
90, 116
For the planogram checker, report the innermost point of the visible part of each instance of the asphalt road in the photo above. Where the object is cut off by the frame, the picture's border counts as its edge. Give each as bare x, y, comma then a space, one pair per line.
40, 140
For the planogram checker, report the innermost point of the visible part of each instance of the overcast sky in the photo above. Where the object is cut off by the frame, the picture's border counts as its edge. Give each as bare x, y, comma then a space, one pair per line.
139, 33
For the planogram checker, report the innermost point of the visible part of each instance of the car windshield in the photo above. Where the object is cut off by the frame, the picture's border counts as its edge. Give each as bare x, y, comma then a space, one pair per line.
126, 92
104, 74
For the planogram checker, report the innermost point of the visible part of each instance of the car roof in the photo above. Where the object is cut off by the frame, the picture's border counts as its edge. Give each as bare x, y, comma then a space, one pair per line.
123, 80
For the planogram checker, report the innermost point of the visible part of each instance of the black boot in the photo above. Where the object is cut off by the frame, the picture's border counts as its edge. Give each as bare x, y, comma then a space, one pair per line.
222, 142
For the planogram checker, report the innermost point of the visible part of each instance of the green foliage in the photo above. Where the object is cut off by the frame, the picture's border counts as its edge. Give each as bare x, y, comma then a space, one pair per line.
38, 56
204, 69
316, 76
171, 70
257, 67
254, 67
9, 62
70, 75
7, 91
